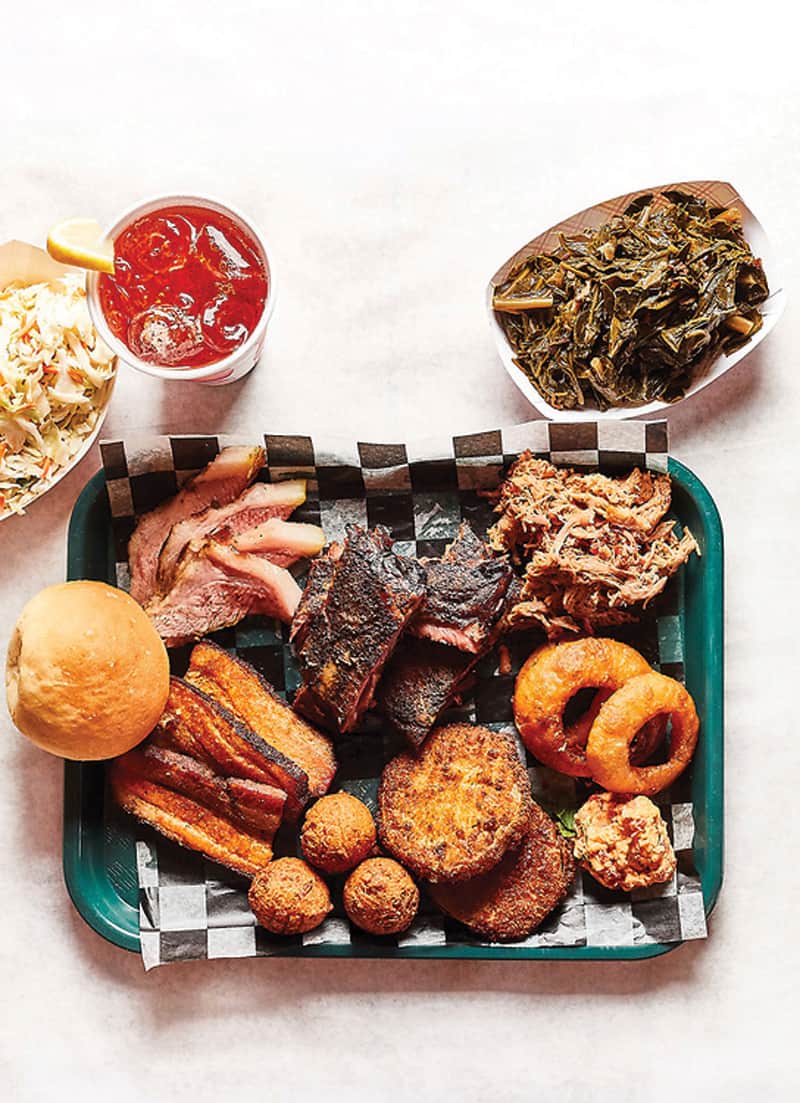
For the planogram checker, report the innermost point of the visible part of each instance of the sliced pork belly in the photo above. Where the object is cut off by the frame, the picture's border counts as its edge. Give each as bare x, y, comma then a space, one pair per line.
214, 587
237, 686
248, 804
342, 647
196, 724
281, 542
466, 593
256, 505
217, 484
189, 822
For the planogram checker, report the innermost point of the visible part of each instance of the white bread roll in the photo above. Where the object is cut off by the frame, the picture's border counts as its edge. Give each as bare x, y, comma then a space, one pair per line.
87, 675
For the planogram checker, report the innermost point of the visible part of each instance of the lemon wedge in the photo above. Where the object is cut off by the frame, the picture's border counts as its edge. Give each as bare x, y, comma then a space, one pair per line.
79, 241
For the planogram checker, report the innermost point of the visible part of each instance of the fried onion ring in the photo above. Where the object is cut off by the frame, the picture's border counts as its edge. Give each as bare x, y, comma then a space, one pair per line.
621, 716
554, 674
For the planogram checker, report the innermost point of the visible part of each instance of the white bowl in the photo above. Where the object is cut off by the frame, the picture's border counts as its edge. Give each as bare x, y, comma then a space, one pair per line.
241, 360
718, 193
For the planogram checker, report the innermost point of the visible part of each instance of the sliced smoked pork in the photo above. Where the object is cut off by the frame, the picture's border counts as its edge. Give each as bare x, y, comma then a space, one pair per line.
237, 686
259, 503
220, 482
215, 586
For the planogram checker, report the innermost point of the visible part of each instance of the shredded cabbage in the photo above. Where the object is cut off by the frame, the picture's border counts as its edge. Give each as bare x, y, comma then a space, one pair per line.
55, 375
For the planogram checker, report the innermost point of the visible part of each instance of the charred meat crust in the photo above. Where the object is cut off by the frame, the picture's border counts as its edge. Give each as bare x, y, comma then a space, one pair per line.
510, 901
201, 726
347, 634
465, 594
419, 682
320, 576
454, 811
239, 688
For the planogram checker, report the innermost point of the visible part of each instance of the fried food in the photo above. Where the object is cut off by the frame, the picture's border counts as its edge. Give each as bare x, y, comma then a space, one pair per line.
288, 897
454, 811
554, 674
621, 716
594, 550
623, 842
512, 899
380, 897
338, 833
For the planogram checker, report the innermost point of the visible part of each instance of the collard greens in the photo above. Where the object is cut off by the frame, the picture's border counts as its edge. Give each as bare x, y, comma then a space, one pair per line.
632, 311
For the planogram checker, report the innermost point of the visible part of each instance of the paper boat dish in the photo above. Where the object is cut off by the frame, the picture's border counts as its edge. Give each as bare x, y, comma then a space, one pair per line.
717, 193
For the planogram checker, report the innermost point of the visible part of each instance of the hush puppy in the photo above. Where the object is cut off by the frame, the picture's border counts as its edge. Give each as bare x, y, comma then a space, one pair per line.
288, 897
338, 833
380, 897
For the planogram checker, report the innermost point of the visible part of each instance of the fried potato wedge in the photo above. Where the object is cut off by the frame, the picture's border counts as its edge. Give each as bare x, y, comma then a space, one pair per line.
455, 810
511, 900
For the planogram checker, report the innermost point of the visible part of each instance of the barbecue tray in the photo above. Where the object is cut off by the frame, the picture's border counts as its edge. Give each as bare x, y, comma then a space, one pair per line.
98, 841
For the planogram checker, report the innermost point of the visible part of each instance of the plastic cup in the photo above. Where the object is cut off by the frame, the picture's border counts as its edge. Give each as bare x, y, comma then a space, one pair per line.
226, 370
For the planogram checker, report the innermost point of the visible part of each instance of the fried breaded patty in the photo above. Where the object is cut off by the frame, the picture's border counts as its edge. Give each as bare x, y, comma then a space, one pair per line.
454, 811
512, 899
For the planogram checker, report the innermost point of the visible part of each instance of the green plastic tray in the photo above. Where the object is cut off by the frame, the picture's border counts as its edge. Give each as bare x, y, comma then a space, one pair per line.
99, 861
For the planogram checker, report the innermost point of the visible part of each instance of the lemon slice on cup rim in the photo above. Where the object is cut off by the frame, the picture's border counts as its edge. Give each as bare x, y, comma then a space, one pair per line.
80, 242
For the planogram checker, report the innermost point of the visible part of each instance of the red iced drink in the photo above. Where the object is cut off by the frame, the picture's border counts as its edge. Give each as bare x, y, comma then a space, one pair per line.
188, 289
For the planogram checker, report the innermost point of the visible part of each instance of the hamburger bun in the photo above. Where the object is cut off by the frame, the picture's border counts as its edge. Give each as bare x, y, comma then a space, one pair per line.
87, 675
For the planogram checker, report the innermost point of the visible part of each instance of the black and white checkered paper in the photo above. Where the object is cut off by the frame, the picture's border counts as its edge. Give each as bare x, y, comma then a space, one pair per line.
193, 908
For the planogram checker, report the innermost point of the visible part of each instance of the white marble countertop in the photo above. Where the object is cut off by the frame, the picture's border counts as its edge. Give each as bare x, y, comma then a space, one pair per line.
395, 156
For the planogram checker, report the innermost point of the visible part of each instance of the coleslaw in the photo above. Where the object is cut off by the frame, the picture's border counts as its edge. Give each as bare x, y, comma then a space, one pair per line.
55, 380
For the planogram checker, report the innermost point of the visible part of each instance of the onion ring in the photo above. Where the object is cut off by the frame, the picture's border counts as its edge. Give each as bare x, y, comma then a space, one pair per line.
621, 716
547, 681
647, 739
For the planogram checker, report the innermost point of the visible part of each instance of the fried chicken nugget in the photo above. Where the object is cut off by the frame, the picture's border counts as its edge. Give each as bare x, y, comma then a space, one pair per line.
510, 901
453, 811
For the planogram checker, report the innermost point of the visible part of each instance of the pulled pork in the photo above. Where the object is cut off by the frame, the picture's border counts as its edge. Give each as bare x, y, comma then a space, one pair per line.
593, 550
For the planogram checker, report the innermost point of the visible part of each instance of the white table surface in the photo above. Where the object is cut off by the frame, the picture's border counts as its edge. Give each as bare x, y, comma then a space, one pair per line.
396, 154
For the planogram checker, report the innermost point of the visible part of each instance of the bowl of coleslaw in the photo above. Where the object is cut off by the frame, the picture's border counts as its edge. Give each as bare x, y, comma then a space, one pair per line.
56, 375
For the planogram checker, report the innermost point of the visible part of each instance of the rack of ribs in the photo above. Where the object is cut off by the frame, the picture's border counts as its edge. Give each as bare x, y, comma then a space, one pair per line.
356, 605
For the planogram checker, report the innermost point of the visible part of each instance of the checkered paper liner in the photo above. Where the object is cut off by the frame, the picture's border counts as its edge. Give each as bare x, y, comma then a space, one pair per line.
193, 908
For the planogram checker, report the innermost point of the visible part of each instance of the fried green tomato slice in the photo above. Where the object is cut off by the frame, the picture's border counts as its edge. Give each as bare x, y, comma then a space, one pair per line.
455, 810
510, 901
